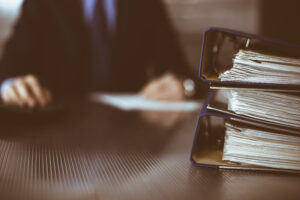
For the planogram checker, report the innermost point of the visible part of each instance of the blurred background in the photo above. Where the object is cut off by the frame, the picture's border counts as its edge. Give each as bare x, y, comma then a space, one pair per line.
272, 18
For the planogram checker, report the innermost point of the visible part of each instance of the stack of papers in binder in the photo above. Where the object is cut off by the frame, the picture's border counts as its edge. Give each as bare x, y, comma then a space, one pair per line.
251, 118
251, 66
264, 148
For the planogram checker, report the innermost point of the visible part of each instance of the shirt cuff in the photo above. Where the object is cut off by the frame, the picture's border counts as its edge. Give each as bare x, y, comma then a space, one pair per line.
5, 84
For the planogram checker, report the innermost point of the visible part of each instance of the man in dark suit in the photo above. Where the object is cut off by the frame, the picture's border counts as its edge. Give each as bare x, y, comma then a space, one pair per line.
68, 47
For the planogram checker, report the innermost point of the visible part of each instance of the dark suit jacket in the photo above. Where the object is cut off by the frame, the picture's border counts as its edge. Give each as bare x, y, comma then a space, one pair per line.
50, 40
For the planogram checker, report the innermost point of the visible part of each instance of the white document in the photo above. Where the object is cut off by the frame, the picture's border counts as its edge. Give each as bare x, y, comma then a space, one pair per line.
138, 102
261, 147
255, 67
280, 108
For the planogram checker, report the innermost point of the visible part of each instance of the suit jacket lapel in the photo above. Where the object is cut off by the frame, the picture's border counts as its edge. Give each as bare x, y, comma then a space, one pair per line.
69, 15
123, 26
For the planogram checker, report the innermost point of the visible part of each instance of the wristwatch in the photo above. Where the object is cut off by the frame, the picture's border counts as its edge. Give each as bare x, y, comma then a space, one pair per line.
189, 87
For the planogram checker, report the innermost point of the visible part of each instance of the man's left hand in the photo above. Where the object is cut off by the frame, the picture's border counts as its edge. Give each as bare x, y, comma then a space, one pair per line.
167, 87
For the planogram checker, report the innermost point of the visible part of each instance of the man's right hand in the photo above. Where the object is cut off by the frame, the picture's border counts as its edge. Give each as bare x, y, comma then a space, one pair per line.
25, 91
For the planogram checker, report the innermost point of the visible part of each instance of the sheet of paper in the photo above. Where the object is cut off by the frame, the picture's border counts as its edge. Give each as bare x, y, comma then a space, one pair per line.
280, 108
265, 148
137, 102
256, 67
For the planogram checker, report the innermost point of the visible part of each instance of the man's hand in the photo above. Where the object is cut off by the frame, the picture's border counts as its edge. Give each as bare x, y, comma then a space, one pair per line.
25, 91
166, 87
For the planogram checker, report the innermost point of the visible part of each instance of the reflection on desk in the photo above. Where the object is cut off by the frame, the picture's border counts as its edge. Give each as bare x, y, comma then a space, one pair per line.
99, 152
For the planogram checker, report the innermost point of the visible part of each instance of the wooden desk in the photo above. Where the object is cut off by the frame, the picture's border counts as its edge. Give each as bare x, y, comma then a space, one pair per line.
96, 152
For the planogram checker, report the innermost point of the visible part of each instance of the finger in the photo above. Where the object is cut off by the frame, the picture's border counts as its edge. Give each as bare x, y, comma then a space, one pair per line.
150, 88
167, 77
150, 92
24, 94
165, 90
167, 87
5, 98
37, 91
173, 88
12, 97
158, 89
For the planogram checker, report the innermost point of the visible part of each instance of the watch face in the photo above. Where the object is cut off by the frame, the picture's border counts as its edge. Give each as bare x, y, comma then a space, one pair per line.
189, 87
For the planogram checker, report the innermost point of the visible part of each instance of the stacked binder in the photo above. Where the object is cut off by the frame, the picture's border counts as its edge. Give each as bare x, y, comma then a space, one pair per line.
251, 117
